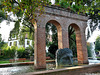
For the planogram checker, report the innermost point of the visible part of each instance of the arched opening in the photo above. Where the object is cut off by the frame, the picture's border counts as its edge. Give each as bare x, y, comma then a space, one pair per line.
72, 40
53, 38
77, 41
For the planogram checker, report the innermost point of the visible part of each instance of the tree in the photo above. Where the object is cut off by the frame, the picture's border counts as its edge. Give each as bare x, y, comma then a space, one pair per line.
2, 43
24, 10
53, 29
52, 45
97, 44
72, 40
26, 33
89, 7
2, 14
89, 47
0, 38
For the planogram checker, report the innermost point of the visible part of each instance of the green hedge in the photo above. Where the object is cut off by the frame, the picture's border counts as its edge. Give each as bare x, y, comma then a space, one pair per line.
10, 52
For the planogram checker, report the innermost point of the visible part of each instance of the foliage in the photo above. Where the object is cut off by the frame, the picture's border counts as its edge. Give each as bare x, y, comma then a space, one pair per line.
89, 49
48, 54
53, 45
3, 45
8, 52
72, 40
89, 7
97, 44
30, 50
25, 52
2, 14
24, 11
53, 48
0, 38
21, 52
2, 62
26, 33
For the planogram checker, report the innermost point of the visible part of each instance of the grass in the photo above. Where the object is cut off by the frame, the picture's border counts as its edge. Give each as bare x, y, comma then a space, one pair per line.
97, 57
7, 61
4, 61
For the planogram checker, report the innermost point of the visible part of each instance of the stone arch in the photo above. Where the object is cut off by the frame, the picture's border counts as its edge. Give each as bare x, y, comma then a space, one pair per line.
81, 52
59, 32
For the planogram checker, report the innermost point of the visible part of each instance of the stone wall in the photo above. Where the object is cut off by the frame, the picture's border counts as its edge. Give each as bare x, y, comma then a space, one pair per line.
78, 70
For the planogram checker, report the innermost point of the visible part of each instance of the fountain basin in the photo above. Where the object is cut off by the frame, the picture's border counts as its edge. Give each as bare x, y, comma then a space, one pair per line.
26, 67
78, 70
19, 68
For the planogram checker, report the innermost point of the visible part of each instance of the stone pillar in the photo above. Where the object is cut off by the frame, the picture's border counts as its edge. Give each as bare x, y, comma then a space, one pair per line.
84, 47
60, 37
81, 48
40, 52
65, 39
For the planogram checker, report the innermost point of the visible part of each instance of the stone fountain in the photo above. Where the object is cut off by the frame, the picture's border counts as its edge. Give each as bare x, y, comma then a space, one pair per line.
64, 57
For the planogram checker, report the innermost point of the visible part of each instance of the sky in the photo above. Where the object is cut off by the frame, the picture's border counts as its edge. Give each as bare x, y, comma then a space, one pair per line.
5, 29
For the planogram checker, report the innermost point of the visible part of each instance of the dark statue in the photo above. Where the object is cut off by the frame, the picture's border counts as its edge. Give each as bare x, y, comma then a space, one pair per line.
64, 57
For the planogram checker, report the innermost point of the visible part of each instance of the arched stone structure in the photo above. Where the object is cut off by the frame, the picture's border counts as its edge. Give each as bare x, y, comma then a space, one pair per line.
61, 18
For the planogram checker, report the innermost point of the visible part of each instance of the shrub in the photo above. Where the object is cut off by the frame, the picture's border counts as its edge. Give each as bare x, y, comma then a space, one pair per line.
48, 54
21, 52
89, 49
52, 49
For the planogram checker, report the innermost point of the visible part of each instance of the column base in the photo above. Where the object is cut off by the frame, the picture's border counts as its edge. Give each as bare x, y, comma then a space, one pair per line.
39, 67
83, 62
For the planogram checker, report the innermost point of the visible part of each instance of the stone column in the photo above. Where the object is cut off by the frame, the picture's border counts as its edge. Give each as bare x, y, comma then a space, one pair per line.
65, 39
40, 52
84, 47
81, 48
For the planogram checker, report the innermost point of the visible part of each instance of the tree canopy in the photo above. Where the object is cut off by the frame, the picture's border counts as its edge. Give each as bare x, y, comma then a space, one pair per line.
2, 14
24, 10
